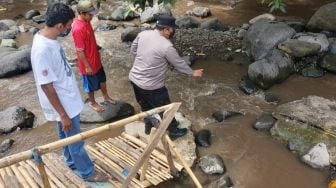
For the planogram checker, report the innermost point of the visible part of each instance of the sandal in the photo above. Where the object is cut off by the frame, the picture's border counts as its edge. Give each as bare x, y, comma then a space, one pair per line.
97, 177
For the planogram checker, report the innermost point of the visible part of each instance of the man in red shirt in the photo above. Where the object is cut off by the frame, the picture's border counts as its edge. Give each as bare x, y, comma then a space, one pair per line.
89, 63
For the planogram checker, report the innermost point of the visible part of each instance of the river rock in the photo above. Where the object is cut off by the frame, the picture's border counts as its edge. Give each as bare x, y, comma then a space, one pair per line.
245, 26
129, 34
187, 22
224, 114
247, 86
213, 24
298, 48
15, 117
263, 36
264, 122
329, 63
119, 14
203, 138
39, 19
8, 23
302, 123
5, 145
8, 43
275, 68
112, 111
266, 16
312, 71
106, 27
34, 30
212, 164
31, 13
317, 157
242, 33
151, 13
324, 18
332, 45
13, 61
314, 38
271, 98
3, 27
185, 144
296, 25
10, 34
104, 16
189, 59
223, 182
201, 12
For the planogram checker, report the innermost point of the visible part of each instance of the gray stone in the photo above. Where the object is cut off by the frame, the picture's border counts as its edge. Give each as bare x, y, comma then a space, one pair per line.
185, 144
31, 13
212, 164
129, 34
187, 22
275, 68
15, 117
8, 43
224, 114
213, 24
312, 71
264, 36
223, 182
111, 111
34, 30
298, 48
8, 23
105, 27
264, 122
245, 26
317, 157
151, 13
306, 122
5, 145
332, 45
10, 34
201, 12
242, 33
203, 138
296, 25
314, 38
104, 16
13, 62
324, 18
118, 14
329, 63
3, 27
39, 19
247, 86
266, 16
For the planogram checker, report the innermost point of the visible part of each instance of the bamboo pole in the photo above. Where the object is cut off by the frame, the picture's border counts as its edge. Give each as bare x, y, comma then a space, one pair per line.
33, 173
2, 183
26, 175
151, 146
145, 164
12, 182
170, 160
184, 163
9, 160
19, 176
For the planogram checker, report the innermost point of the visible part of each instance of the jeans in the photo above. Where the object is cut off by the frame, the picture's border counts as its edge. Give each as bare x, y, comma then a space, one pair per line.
75, 155
149, 99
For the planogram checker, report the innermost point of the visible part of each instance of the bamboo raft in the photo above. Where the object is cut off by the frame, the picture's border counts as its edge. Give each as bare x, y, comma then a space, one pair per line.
126, 160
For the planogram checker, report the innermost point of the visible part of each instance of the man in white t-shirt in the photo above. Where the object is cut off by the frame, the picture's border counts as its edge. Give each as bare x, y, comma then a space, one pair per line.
57, 88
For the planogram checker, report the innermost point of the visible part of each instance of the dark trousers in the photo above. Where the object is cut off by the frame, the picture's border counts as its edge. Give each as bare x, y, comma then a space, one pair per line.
149, 99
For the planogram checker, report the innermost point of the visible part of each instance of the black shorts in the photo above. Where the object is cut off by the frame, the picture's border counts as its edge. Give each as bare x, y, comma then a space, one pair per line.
91, 83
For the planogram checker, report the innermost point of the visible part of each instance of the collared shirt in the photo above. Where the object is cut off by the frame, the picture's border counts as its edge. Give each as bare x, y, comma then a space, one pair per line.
85, 40
153, 53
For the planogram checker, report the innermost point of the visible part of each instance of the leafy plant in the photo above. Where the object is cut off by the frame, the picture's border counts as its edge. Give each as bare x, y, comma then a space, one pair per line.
275, 5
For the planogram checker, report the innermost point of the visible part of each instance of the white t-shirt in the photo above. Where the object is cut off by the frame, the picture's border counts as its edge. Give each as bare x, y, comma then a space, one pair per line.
50, 65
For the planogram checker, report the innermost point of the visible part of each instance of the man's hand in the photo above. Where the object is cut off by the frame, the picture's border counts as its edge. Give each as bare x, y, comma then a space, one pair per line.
88, 70
197, 73
66, 123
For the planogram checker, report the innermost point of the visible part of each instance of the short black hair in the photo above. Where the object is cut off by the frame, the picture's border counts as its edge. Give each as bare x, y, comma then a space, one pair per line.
161, 27
58, 13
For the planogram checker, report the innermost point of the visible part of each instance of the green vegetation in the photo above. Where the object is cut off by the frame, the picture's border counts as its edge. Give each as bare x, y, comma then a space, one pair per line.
275, 5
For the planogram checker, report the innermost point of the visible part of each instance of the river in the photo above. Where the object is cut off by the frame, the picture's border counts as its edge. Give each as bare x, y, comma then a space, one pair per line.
253, 159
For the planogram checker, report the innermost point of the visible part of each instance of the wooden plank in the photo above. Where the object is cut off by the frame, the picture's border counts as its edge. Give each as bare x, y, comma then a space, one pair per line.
28, 177
32, 173
11, 181
168, 116
19, 176
2, 183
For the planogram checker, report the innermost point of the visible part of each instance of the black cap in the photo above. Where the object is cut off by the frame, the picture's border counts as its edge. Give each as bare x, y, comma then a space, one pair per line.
166, 21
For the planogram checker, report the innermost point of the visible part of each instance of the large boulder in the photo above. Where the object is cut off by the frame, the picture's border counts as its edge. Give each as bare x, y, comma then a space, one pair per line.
324, 18
8, 23
274, 68
266, 16
15, 117
13, 61
111, 111
264, 35
332, 45
317, 38
129, 34
31, 13
214, 24
304, 123
201, 12
152, 13
329, 63
185, 144
119, 14
187, 22
298, 48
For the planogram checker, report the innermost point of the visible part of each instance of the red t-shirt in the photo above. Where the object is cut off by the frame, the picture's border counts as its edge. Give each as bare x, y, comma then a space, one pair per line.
85, 40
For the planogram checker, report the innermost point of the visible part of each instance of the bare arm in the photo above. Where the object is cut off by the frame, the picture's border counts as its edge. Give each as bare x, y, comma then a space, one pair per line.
83, 58
51, 94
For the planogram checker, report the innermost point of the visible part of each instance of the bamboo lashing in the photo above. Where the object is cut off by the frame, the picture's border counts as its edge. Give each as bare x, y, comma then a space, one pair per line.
9, 160
184, 163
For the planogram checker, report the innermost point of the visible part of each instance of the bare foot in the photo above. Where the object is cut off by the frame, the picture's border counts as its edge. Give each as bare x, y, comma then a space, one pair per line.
96, 107
110, 100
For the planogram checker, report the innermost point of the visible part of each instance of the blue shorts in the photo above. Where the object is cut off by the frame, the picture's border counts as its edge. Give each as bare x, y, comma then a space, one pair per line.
91, 83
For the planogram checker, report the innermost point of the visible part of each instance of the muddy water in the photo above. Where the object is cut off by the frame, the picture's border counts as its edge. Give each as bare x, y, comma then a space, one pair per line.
253, 159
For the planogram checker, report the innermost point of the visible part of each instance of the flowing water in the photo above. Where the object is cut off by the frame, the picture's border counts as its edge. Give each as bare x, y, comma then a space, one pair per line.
253, 159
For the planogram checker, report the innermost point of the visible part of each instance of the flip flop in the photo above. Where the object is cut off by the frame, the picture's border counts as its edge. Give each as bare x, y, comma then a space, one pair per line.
97, 108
